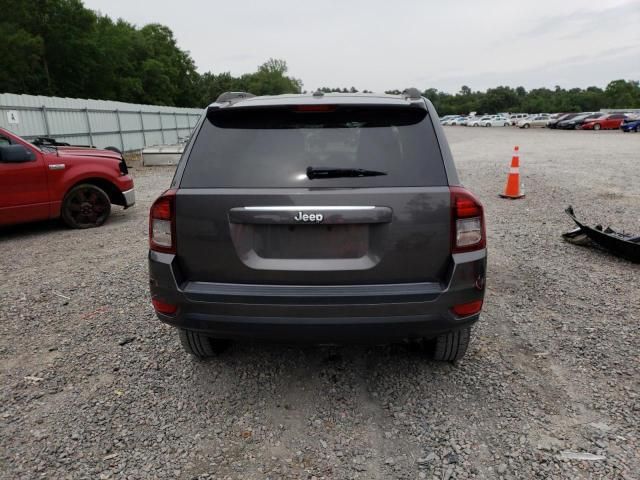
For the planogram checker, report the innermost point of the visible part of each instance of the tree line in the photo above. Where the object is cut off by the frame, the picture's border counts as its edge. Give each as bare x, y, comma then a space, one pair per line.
617, 94
61, 48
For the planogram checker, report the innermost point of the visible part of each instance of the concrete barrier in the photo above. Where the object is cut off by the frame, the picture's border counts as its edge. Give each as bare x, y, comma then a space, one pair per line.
162, 155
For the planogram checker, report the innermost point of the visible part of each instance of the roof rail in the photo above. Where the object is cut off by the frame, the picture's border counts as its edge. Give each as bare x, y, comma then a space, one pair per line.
412, 94
231, 96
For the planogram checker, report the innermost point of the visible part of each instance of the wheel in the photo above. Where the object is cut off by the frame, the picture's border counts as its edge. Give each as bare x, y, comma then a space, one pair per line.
596, 126
526, 125
85, 206
487, 125
451, 347
201, 346
637, 129
507, 124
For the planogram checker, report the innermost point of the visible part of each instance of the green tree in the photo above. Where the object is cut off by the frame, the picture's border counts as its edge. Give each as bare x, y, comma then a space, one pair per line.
21, 60
623, 94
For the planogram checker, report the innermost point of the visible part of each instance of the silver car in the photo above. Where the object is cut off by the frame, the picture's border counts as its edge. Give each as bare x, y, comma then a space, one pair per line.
533, 121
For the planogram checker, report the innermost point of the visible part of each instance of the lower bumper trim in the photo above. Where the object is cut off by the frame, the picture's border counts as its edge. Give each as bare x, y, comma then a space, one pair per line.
129, 197
320, 330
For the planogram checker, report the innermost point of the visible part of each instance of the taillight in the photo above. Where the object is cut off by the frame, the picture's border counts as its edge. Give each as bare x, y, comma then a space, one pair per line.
466, 309
161, 306
467, 221
162, 223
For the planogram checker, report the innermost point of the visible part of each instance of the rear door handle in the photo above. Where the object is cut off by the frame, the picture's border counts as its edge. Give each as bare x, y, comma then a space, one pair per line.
310, 214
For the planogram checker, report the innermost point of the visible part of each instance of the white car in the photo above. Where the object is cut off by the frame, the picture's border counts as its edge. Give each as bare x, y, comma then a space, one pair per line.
470, 120
450, 121
516, 117
490, 121
495, 122
458, 121
533, 121
447, 118
478, 121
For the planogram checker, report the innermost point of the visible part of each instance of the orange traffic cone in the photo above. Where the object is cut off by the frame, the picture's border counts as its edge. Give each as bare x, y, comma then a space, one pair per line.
512, 188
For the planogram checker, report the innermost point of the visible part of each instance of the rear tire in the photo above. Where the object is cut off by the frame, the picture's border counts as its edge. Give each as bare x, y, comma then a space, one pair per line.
451, 347
201, 346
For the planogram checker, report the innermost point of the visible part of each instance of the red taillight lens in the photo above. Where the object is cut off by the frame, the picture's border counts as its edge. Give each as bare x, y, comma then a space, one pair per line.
466, 309
163, 307
162, 223
467, 221
467, 207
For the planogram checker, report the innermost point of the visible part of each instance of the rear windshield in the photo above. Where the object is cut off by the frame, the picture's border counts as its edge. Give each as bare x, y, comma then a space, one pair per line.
273, 147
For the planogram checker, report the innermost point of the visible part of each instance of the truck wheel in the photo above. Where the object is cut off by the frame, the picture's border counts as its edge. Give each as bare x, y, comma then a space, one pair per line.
451, 347
200, 345
85, 206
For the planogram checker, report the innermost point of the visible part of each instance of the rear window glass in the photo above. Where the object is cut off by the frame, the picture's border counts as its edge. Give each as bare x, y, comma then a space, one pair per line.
274, 147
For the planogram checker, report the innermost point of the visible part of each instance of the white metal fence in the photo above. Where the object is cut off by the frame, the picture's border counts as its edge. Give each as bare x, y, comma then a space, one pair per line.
98, 123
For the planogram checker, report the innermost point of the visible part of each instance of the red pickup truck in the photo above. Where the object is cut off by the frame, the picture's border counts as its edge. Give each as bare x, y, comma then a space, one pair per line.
75, 183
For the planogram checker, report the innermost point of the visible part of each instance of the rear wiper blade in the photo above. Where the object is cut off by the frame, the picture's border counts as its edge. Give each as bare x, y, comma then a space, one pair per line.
331, 172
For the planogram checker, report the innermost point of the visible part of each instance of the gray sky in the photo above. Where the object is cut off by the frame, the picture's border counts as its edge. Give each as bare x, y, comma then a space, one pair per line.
380, 45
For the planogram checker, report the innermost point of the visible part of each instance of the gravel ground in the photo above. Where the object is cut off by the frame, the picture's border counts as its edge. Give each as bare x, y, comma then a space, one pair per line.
93, 386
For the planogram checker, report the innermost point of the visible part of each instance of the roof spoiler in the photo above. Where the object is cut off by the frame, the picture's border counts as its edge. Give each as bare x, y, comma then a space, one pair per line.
412, 94
229, 97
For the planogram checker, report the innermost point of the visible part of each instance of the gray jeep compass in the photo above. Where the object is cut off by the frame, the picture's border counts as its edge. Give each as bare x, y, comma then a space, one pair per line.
318, 218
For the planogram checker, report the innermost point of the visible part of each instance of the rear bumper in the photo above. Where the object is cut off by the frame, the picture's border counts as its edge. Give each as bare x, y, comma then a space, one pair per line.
320, 330
321, 314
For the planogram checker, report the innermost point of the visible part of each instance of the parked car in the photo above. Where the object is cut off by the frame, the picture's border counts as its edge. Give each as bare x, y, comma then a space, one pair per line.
479, 121
471, 121
75, 184
576, 122
553, 123
458, 121
533, 121
514, 118
606, 122
352, 226
495, 121
630, 125
446, 118
452, 119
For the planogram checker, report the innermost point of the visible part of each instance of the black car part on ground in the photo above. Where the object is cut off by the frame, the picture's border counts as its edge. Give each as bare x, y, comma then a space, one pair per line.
621, 244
